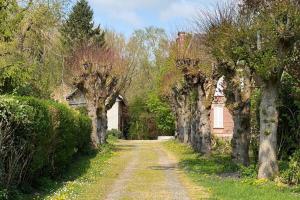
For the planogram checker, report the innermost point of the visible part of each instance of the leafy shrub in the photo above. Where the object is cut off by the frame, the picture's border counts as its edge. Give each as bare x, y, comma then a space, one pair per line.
249, 171
163, 115
142, 122
292, 174
38, 138
221, 145
114, 132
83, 110
150, 117
289, 117
3, 194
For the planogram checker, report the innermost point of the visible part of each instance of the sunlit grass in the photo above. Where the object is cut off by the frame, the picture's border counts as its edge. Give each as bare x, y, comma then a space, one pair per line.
208, 172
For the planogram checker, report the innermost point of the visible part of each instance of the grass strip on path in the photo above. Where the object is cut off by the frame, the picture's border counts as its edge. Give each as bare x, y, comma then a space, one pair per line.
209, 172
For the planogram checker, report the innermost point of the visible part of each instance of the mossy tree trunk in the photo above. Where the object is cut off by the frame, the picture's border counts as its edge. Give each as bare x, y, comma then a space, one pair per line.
201, 141
240, 109
268, 166
181, 108
237, 93
102, 123
92, 112
241, 135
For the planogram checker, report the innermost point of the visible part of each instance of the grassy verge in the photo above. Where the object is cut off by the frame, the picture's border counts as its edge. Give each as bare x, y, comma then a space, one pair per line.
218, 174
84, 171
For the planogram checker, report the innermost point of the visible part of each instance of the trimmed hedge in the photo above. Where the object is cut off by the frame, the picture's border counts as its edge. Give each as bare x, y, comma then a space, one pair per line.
38, 138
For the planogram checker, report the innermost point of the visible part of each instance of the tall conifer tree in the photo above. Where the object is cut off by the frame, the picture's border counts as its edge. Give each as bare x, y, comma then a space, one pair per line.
79, 27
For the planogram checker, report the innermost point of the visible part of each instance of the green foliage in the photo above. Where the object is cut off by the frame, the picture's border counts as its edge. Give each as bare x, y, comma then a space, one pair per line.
7, 8
84, 172
163, 114
249, 171
292, 174
39, 138
150, 117
220, 145
289, 117
79, 27
3, 194
31, 53
152, 45
142, 125
114, 132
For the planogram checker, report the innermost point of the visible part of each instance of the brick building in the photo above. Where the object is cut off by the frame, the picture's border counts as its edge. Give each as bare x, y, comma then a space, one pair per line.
220, 117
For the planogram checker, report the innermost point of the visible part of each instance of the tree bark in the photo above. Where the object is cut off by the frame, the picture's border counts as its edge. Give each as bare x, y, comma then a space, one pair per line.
183, 120
102, 123
201, 141
268, 166
92, 112
182, 108
180, 125
98, 115
187, 121
241, 117
241, 135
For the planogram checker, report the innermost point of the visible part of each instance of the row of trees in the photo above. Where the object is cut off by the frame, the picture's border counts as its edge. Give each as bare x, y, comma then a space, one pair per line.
252, 44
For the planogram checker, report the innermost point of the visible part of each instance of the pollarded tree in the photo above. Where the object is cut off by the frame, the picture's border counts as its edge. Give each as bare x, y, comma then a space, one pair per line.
268, 45
277, 30
193, 91
101, 74
225, 32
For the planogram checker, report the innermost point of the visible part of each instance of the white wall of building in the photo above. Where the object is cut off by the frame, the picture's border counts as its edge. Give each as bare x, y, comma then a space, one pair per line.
113, 117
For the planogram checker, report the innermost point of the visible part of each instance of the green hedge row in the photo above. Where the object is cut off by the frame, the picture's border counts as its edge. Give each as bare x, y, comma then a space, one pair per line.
38, 138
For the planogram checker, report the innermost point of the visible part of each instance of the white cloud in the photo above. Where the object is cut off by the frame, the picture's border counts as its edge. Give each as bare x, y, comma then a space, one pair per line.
126, 4
127, 10
130, 17
123, 10
179, 9
139, 13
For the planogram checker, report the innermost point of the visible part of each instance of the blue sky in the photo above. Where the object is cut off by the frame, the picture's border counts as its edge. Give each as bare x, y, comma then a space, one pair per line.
124, 16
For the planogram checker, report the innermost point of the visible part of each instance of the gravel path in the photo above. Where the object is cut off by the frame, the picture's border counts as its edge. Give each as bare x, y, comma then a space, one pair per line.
125, 176
151, 173
169, 166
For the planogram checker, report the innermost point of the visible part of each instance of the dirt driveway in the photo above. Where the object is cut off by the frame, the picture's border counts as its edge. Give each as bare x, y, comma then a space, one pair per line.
151, 172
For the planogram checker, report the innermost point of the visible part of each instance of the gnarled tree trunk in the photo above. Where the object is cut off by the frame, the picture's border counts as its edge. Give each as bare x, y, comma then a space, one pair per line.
102, 125
98, 114
237, 93
182, 108
201, 141
92, 112
241, 117
268, 166
187, 121
241, 135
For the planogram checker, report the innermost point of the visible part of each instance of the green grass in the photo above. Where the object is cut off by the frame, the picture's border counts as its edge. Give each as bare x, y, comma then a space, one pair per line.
208, 171
80, 173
